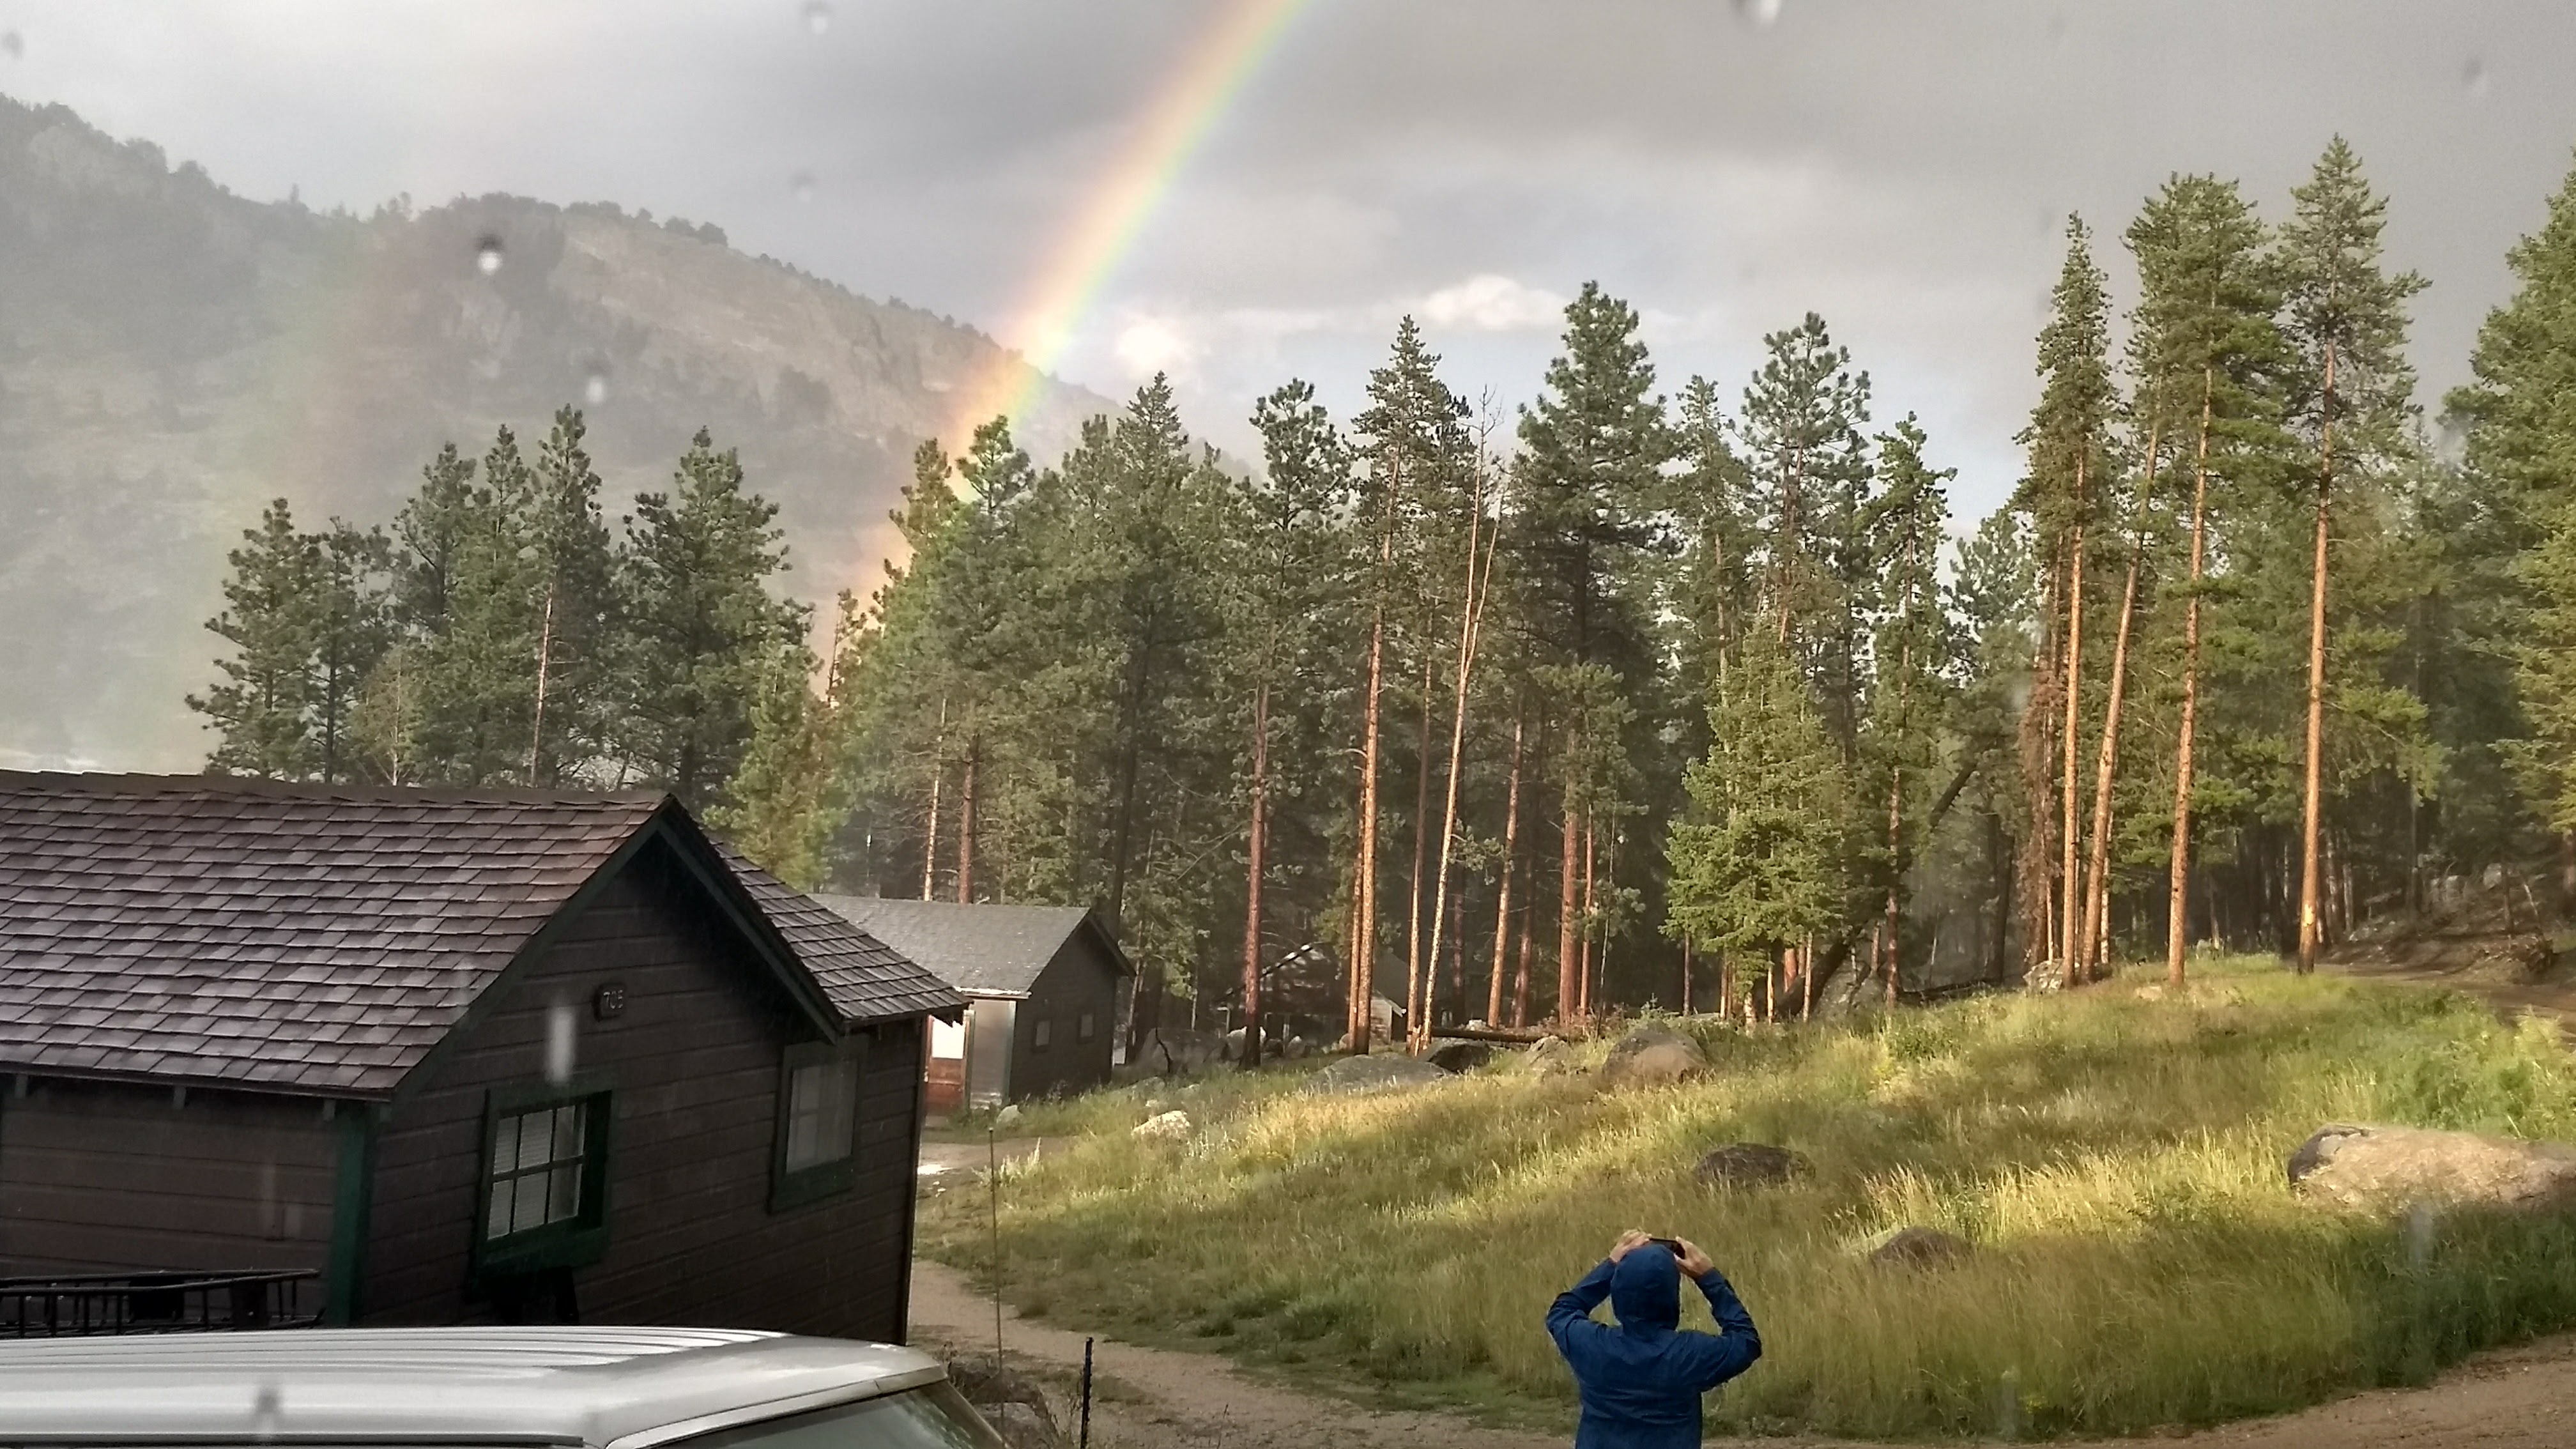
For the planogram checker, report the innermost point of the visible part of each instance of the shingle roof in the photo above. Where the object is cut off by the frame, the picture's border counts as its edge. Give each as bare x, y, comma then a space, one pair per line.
982, 950
301, 938
866, 979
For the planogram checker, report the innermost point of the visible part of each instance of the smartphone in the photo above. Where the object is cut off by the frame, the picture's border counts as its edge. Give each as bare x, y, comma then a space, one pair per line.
1675, 1244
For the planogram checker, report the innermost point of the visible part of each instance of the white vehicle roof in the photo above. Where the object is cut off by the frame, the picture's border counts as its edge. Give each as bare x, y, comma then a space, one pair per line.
613, 1388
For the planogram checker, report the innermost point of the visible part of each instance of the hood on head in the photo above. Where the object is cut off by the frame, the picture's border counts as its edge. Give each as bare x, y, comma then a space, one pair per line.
1646, 1288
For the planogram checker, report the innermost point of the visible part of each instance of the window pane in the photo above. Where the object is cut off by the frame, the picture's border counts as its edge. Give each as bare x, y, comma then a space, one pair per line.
505, 1146
568, 1133
528, 1210
498, 1224
563, 1195
842, 1114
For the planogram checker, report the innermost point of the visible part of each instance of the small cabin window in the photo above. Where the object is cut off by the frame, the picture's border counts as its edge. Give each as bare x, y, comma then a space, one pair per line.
545, 1175
1085, 1027
1042, 1035
818, 1121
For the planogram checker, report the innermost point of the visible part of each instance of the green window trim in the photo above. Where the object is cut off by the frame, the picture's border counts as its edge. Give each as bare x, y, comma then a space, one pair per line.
579, 1241
797, 1187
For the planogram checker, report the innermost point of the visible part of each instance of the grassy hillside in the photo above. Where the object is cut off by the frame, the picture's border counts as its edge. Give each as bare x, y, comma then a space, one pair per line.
2116, 1158
172, 356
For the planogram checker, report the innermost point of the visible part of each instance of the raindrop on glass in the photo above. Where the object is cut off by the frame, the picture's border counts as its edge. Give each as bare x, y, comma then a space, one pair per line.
487, 255
10, 45
801, 185
594, 388
559, 1044
818, 16
2473, 76
267, 1408
1757, 12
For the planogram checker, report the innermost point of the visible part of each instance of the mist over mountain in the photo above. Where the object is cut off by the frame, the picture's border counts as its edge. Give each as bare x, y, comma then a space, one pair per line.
172, 356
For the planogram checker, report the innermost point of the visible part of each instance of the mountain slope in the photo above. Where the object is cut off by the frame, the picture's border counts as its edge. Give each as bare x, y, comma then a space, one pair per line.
172, 356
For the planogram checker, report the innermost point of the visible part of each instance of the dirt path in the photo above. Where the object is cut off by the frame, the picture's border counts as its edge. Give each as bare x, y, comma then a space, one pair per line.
1151, 1398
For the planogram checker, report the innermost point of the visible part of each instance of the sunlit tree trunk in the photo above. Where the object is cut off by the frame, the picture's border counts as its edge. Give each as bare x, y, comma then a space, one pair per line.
1364, 924
1256, 837
1569, 964
966, 825
1503, 886
2315, 811
2070, 749
2178, 910
1417, 971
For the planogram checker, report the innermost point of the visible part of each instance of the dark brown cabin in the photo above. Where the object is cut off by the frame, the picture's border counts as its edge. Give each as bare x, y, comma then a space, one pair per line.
1044, 985
468, 1055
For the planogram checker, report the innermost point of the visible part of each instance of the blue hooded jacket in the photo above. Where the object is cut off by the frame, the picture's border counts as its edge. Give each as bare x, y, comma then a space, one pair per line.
1641, 1381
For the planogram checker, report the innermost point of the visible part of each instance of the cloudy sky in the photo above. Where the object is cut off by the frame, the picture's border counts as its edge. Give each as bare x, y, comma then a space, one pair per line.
1726, 165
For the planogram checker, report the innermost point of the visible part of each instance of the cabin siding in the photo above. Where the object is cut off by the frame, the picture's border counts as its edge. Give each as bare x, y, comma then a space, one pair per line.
1080, 977
105, 1177
693, 1066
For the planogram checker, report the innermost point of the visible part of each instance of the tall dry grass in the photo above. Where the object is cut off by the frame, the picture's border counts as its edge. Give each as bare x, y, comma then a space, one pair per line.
2117, 1161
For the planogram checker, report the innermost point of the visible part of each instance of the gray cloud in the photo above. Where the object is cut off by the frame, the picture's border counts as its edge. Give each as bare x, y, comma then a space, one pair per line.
1901, 168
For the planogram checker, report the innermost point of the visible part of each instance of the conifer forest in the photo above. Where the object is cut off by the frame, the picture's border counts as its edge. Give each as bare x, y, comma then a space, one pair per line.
1683, 691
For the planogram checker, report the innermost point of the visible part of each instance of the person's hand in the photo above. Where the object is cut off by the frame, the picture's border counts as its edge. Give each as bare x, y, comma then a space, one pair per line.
1628, 1242
1691, 1260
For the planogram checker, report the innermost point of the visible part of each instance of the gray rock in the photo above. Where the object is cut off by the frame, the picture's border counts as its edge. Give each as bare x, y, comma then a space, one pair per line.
1175, 1051
1461, 1056
1920, 1248
1373, 1074
1163, 1127
1008, 1117
1653, 1056
1550, 1056
1010, 1401
1750, 1164
2376, 1167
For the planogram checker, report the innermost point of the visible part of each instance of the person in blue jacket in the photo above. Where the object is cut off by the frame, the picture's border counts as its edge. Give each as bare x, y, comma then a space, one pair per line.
1641, 1381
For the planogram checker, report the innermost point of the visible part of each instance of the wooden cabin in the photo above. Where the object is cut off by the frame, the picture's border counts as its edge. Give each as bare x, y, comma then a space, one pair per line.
463, 1056
1045, 987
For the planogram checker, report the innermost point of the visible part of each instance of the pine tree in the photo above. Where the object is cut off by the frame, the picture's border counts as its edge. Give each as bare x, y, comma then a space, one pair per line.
1757, 865
2209, 300
2066, 440
2346, 321
2511, 532
573, 702
1912, 652
703, 633
269, 619
353, 628
1588, 523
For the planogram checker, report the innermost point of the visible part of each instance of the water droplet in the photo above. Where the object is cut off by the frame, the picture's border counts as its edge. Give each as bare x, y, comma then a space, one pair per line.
1757, 12
10, 44
801, 185
487, 255
267, 1408
2473, 76
559, 1044
818, 16
594, 388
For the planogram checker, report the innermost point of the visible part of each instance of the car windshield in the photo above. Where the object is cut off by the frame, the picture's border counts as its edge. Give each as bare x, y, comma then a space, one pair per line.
927, 1418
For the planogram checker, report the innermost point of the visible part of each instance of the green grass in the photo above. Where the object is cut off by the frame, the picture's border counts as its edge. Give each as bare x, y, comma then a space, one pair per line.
2117, 1160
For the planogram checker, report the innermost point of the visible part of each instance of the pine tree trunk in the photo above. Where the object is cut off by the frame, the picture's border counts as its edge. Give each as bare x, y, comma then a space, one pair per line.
1255, 839
2315, 811
2035, 863
1686, 976
2070, 750
1528, 958
1583, 1004
2097, 891
1417, 970
1895, 908
1364, 934
1503, 877
2178, 910
966, 825
545, 657
1569, 965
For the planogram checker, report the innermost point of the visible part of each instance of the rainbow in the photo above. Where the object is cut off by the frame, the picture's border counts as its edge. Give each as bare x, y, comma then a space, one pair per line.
1068, 282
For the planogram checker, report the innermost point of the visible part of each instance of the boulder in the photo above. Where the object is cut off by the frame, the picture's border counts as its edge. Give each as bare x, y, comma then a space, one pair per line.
1173, 1126
1461, 1056
1750, 1164
1653, 1056
1009, 1401
1175, 1051
2389, 1167
1295, 1048
1373, 1074
1008, 1117
1550, 1056
1920, 1248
